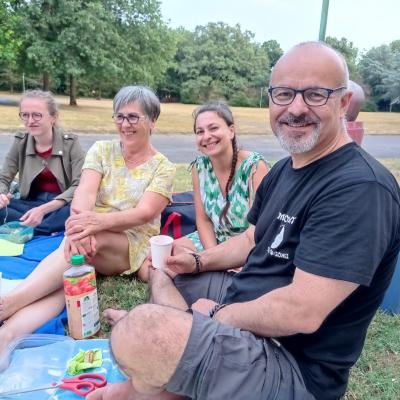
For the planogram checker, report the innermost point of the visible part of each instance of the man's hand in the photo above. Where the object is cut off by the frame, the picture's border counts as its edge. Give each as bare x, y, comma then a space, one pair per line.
182, 263
203, 306
83, 223
33, 217
5, 199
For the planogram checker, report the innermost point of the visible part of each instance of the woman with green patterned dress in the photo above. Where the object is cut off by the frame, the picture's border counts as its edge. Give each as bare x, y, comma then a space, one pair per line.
224, 178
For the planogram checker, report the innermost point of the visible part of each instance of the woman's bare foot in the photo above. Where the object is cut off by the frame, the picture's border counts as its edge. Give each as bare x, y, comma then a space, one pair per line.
8, 306
6, 337
112, 316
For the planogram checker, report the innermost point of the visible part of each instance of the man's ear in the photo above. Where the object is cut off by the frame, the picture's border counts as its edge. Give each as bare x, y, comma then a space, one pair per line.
345, 102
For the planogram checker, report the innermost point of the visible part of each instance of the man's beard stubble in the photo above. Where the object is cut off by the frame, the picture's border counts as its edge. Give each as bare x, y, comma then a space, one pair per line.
299, 144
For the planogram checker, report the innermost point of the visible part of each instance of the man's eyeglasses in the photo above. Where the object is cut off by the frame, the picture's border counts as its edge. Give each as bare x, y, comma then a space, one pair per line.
314, 97
133, 119
35, 116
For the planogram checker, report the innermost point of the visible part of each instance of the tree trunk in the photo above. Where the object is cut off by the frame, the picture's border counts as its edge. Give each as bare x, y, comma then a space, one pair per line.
98, 96
72, 91
46, 81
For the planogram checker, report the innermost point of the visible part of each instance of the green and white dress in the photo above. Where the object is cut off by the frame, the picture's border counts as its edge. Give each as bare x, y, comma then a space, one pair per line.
214, 202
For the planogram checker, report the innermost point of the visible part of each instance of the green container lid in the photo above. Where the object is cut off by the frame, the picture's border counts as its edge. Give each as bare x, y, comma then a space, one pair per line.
78, 259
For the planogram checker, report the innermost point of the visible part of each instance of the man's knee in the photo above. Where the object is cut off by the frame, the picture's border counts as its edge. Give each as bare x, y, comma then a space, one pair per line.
154, 337
139, 326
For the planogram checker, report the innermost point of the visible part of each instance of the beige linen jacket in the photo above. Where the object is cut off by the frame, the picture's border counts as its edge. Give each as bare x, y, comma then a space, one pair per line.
65, 163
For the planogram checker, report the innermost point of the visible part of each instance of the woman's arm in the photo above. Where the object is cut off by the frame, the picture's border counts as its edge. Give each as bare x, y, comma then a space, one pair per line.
257, 175
84, 200
82, 224
86, 193
35, 215
205, 227
10, 168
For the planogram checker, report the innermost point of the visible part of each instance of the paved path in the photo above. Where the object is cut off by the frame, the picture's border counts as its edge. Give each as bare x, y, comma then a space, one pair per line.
182, 148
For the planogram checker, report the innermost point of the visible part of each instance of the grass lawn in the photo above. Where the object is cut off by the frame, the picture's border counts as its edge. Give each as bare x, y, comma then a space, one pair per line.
95, 116
374, 377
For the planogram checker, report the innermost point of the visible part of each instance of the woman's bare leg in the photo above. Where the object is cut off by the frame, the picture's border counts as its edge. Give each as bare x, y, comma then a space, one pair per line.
46, 278
112, 256
29, 318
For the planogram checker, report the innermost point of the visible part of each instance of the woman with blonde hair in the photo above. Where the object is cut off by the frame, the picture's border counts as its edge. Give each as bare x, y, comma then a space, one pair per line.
48, 163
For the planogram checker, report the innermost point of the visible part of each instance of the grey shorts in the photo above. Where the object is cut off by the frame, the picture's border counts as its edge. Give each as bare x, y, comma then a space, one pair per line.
207, 285
223, 362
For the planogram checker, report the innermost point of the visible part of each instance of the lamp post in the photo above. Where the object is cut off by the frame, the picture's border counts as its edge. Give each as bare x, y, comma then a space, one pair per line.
324, 19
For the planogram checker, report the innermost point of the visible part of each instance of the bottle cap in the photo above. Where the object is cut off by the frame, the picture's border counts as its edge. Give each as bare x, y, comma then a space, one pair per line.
77, 259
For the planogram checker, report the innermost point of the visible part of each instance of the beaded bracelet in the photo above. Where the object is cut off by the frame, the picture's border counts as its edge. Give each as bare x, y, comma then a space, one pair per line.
215, 309
198, 263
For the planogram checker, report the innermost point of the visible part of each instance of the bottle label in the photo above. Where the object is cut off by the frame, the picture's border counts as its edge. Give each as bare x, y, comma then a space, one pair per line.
82, 305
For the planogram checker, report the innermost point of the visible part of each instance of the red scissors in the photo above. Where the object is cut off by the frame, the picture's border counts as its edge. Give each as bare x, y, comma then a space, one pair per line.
81, 385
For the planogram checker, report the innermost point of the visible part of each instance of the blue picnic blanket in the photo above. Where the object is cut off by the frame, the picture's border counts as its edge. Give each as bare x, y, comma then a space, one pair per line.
50, 365
20, 267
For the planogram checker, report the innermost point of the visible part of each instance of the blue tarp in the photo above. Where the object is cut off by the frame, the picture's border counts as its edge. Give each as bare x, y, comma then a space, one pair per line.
40, 366
20, 267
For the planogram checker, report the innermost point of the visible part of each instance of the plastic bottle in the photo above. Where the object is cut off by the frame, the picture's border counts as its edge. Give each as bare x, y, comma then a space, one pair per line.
81, 299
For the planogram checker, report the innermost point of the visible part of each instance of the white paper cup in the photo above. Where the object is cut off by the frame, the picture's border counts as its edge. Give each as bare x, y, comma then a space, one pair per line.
161, 247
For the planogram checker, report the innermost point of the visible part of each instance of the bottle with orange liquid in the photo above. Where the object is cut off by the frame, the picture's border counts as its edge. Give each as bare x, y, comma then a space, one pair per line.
81, 299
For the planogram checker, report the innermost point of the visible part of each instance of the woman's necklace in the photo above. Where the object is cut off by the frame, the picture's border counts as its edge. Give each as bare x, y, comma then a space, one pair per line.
136, 160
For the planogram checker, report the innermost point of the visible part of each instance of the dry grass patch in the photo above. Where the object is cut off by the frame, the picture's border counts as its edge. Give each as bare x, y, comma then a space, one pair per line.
95, 116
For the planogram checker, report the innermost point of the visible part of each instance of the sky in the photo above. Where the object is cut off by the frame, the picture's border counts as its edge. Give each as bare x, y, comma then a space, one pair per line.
366, 23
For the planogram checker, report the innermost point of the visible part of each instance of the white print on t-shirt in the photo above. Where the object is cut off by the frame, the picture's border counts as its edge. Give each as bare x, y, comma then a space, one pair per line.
286, 218
279, 237
277, 254
277, 241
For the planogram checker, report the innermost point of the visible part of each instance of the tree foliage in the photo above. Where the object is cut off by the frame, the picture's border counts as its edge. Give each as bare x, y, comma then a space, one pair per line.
10, 43
274, 51
379, 68
93, 47
218, 61
105, 42
349, 52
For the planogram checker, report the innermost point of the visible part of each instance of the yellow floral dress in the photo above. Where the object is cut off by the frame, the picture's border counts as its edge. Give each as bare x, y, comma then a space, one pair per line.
122, 188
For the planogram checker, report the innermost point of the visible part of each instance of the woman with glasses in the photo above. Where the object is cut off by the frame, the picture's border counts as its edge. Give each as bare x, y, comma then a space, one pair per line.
125, 184
224, 179
48, 163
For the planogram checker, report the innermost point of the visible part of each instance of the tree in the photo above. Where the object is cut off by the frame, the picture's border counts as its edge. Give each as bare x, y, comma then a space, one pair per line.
375, 66
349, 52
149, 45
390, 85
219, 61
274, 51
10, 44
87, 43
102, 43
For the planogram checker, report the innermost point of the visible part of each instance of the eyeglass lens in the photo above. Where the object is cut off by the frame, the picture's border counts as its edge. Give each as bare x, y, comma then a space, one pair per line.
131, 118
35, 116
312, 96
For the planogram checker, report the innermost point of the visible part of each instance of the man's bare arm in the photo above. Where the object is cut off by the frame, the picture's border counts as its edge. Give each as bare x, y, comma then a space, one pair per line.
229, 254
300, 307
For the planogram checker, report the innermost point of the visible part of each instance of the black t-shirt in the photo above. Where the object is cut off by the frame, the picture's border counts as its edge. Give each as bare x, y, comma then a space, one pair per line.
338, 218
